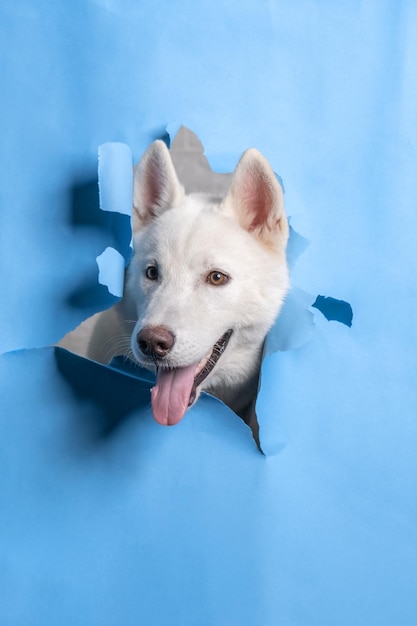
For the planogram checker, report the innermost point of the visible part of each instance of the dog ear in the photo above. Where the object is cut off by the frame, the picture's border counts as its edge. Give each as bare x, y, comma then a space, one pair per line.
256, 199
156, 187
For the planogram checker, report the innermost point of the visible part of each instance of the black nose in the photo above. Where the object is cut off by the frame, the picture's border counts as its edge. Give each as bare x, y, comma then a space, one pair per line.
155, 341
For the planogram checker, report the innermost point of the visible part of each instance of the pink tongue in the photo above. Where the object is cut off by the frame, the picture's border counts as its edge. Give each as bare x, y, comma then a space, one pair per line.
171, 394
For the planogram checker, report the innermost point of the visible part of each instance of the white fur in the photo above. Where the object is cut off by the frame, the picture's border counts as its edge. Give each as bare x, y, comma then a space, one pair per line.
243, 235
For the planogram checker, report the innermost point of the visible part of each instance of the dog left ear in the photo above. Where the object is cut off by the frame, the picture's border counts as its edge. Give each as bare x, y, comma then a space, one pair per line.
156, 185
256, 198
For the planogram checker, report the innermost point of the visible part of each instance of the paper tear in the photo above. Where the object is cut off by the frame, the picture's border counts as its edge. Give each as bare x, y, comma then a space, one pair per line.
111, 271
295, 324
334, 310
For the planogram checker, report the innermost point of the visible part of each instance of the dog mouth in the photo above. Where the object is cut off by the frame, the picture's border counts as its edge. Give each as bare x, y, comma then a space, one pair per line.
176, 388
207, 365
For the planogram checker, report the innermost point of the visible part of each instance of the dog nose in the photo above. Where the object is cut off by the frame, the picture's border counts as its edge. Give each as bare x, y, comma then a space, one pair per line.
155, 341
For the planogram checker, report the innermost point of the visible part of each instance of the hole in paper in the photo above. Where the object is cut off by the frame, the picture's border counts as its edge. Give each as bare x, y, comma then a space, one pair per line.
293, 327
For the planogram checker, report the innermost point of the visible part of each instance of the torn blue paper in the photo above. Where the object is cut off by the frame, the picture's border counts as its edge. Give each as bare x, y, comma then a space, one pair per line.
295, 323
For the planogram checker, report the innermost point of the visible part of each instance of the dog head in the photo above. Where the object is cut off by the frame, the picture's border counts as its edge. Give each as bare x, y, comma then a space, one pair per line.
207, 279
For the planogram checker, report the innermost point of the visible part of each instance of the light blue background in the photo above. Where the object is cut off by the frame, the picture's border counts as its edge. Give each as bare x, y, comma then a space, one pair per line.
108, 520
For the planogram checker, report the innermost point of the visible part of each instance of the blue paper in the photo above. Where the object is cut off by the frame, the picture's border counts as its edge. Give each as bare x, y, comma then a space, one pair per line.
106, 518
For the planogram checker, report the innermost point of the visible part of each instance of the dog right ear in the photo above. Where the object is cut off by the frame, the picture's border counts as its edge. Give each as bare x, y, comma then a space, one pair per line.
255, 197
156, 187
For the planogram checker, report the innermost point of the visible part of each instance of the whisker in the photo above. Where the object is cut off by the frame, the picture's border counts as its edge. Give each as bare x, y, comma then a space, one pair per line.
117, 345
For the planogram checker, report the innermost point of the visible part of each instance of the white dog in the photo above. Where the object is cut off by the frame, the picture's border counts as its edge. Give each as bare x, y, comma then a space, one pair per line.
207, 279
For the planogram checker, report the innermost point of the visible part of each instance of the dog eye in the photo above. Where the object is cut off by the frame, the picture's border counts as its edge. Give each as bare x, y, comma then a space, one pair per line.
217, 278
151, 272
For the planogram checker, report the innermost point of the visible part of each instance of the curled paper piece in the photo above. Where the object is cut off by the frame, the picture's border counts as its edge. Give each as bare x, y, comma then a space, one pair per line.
115, 178
111, 270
